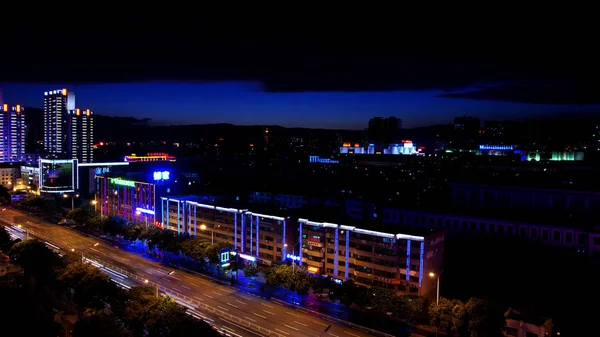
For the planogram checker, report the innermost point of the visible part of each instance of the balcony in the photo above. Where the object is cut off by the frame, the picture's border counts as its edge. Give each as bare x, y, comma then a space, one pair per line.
312, 253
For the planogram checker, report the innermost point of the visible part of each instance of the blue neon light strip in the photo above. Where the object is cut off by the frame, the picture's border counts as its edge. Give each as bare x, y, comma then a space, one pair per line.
178, 217
347, 253
257, 237
284, 250
235, 219
145, 211
335, 252
242, 232
300, 242
247, 257
408, 260
421, 258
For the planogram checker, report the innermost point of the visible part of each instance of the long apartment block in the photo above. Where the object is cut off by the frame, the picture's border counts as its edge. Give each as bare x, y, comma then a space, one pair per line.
342, 251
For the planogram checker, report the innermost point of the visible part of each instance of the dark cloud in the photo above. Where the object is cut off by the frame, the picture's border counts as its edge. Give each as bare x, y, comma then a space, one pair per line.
566, 94
372, 55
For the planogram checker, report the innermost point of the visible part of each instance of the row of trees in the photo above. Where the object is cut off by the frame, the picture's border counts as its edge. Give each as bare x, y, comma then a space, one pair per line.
199, 250
49, 282
380, 300
451, 316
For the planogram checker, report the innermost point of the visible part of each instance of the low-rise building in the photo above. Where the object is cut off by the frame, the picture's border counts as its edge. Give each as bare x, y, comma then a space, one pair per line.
522, 325
342, 251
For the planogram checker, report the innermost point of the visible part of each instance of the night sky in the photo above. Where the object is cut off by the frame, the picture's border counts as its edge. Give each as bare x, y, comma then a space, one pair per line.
329, 74
245, 103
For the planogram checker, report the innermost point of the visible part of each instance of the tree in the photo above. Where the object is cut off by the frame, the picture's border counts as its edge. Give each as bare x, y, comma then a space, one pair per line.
449, 316
92, 289
36, 259
133, 232
146, 315
79, 215
114, 225
414, 306
250, 270
291, 278
384, 300
5, 241
5, 197
24, 312
212, 252
99, 325
483, 319
195, 248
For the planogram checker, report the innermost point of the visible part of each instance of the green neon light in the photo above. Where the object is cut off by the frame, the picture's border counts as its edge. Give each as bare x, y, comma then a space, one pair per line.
123, 182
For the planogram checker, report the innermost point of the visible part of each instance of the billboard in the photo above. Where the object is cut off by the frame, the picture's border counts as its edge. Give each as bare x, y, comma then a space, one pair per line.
58, 175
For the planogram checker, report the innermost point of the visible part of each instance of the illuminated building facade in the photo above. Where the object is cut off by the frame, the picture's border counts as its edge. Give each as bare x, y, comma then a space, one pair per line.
150, 157
132, 200
12, 139
81, 135
397, 261
58, 175
57, 104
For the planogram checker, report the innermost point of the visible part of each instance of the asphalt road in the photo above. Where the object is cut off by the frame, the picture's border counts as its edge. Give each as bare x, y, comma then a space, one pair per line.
261, 312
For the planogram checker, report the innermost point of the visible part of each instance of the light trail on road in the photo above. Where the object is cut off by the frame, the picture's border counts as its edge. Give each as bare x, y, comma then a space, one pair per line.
251, 310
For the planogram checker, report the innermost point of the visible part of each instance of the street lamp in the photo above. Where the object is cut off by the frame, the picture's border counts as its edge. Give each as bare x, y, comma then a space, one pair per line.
138, 213
294, 252
156, 284
432, 275
212, 234
73, 196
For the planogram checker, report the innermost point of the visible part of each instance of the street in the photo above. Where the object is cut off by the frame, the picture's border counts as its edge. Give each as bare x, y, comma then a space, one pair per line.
200, 294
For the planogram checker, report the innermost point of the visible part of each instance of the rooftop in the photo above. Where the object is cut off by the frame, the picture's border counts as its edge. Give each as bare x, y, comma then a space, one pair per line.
525, 316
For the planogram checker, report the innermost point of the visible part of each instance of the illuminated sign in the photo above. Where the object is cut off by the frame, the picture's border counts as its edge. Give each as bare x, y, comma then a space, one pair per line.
313, 270
496, 147
164, 175
248, 257
314, 244
293, 257
145, 211
338, 281
102, 170
224, 255
122, 182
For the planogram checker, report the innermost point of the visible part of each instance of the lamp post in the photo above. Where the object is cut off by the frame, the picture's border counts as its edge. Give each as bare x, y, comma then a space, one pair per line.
157, 283
432, 275
294, 252
73, 196
212, 234
437, 297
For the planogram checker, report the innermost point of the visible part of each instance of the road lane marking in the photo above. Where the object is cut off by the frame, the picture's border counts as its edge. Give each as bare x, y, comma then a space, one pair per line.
351, 334
333, 334
214, 292
246, 298
268, 312
220, 307
291, 327
207, 296
287, 333
300, 323
321, 324
289, 313
241, 302
250, 319
205, 283
198, 298
235, 306
261, 316
188, 277
228, 329
266, 305
176, 289
195, 285
186, 287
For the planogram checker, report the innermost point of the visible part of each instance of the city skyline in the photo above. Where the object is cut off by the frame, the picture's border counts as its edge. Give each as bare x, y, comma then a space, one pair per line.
245, 103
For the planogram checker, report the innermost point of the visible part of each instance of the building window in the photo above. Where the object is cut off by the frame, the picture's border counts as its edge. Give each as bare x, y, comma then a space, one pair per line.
569, 237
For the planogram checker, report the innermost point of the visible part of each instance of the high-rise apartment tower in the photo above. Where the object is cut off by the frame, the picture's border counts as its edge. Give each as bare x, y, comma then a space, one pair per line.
12, 133
57, 104
81, 135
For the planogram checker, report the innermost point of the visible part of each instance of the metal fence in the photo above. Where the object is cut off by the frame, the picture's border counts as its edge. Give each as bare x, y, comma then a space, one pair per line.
332, 319
216, 311
166, 291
